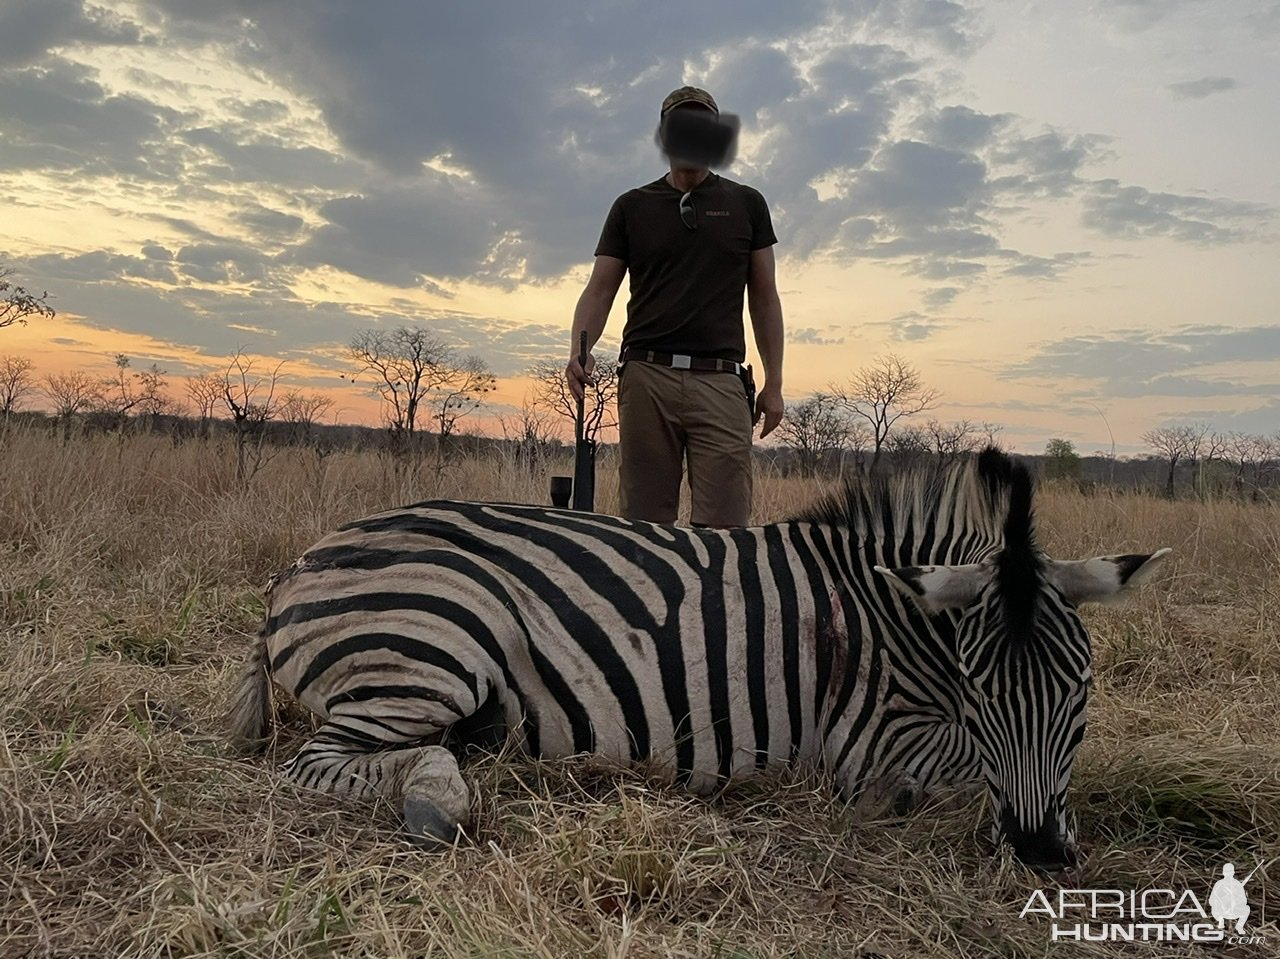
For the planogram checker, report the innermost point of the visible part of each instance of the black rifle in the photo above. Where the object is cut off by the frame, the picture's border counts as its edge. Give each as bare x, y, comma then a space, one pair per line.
584, 459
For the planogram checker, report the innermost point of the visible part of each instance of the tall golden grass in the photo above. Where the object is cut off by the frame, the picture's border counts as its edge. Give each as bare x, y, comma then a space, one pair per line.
130, 577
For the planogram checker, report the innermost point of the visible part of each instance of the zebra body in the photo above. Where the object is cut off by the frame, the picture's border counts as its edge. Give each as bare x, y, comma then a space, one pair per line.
705, 654
663, 645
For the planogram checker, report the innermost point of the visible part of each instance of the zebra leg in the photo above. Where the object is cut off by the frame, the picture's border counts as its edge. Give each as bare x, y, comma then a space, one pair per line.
944, 757
435, 799
938, 755
425, 780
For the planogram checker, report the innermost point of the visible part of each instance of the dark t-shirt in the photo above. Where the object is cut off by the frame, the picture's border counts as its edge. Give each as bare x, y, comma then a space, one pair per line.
687, 285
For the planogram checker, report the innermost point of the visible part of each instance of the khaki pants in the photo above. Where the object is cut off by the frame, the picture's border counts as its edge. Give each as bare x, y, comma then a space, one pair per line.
666, 416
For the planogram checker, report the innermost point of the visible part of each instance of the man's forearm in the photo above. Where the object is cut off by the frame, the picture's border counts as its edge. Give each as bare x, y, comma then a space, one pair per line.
766, 321
590, 314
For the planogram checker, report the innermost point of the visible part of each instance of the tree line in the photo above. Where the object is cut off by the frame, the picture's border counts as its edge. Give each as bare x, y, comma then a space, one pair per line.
1183, 458
875, 414
426, 388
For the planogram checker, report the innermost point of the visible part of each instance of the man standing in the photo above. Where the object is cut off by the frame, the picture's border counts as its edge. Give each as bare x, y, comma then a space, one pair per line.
692, 241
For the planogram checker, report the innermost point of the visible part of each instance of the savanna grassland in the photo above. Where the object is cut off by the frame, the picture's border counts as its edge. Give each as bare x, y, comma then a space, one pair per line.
130, 583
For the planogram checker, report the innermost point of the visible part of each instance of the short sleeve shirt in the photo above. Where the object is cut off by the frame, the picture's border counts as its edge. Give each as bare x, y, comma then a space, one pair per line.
687, 285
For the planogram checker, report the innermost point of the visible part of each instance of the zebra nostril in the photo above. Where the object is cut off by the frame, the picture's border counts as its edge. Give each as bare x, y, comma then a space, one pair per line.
1044, 849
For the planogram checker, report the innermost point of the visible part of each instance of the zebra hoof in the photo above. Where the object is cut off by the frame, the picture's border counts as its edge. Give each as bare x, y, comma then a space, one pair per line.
427, 826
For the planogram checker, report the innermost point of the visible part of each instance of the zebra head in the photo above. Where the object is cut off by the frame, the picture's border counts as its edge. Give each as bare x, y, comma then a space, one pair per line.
1023, 663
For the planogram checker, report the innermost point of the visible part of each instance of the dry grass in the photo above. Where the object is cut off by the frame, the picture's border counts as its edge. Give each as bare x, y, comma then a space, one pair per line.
129, 583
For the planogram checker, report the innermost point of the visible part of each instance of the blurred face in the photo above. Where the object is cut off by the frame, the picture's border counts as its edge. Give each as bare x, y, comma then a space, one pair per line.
694, 137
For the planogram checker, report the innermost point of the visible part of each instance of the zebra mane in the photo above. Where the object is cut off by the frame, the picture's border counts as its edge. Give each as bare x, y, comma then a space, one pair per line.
1020, 565
985, 501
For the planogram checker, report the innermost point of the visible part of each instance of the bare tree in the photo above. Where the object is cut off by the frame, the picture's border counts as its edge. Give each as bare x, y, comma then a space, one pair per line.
1213, 449
71, 394
882, 393
153, 395
858, 442
600, 409
952, 440
1268, 458
302, 410
1175, 444
405, 366
1246, 451
910, 445
250, 398
16, 383
141, 393
531, 433
16, 303
815, 428
459, 390
118, 395
205, 392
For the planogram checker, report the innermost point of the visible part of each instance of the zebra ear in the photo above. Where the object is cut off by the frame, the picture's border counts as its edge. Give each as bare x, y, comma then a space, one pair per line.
936, 588
1104, 578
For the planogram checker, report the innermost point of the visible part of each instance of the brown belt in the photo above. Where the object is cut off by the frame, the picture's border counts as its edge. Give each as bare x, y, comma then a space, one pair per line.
680, 361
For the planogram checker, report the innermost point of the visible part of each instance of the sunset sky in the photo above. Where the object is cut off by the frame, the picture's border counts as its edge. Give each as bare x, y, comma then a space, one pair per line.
1063, 213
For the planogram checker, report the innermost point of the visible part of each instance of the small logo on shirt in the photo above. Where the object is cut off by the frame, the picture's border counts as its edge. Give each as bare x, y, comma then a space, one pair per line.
717, 213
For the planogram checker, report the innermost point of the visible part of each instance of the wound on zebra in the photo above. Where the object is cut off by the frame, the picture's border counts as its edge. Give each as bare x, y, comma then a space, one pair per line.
904, 635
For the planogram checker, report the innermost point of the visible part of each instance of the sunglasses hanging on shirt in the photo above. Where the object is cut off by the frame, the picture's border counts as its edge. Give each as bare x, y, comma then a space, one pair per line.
688, 212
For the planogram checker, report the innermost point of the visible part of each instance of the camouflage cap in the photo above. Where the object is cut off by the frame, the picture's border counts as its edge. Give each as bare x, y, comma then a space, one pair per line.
688, 95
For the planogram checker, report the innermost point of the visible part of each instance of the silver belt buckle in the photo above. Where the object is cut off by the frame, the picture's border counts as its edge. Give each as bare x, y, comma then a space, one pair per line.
680, 362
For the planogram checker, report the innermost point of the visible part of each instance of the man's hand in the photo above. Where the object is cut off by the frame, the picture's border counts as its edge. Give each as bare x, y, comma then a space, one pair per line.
769, 406
578, 378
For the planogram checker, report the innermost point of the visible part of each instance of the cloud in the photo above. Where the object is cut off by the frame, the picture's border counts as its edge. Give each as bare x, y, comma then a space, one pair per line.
429, 146
565, 105
101, 265
1252, 17
1201, 88
1139, 362
57, 116
962, 128
951, 26
1132, 211
268, 224
910, 327
1044, 267
751, 79
1047, 164
1190, 386
229, 263
1139, 15
437, 227
537, 145
919, 184
30, 28
811, 336
239, 154
102, 286
1259, 419
940, 297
